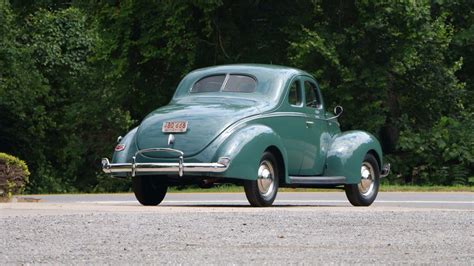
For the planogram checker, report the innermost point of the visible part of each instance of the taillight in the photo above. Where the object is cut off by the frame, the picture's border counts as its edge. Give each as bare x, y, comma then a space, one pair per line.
120, 147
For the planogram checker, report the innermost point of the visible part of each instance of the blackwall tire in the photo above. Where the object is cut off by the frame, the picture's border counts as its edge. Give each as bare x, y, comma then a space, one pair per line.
262, 191
149, 190
365, 192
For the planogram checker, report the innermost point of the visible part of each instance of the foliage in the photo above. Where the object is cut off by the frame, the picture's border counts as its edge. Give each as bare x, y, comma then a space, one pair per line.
13, 175
460, 14
391, 64
385, 56
23, 93
442, 155
54, 117
76, 74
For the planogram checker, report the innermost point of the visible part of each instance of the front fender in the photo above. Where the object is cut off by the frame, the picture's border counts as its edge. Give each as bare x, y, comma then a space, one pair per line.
245, 147
347, 152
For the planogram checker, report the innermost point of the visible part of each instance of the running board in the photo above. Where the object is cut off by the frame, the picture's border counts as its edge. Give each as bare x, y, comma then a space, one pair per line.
317, 180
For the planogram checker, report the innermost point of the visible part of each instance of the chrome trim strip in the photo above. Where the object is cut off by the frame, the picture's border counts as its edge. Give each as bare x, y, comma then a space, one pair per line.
283, 114
259, 116
317, 180
224, 83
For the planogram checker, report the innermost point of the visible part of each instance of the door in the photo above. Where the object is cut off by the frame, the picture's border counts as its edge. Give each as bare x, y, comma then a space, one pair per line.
291, 126
316, 136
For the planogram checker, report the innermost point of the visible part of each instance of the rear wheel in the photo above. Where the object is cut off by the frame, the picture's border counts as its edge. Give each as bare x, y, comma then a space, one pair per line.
365, 192
262, 192
149, 190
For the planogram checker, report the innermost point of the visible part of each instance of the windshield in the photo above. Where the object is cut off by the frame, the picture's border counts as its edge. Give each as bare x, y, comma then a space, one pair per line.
226, 83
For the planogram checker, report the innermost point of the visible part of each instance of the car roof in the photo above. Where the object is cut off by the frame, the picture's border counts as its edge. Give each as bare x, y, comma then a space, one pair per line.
271, 82
251, 69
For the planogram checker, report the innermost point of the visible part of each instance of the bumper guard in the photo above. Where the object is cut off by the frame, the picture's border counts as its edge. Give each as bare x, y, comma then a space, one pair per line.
179, 167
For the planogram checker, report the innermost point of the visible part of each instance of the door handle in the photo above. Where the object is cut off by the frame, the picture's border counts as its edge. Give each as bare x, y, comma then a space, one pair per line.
309, 123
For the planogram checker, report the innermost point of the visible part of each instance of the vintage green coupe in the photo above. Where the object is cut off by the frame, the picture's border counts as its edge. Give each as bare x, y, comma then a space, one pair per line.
260, 126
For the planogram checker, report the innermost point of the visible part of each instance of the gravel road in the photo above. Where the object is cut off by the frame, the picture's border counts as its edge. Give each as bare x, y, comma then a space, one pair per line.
84, 233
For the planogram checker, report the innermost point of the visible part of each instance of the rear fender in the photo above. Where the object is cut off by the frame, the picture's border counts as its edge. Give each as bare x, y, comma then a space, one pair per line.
347, 152
245, 147
125, 156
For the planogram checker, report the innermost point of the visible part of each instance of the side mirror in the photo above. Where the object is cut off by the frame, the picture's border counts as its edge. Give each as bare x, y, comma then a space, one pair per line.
337, 111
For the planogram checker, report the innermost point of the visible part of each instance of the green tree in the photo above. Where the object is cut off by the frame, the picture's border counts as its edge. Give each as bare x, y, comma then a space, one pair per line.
24, 93
76, 74
149, 47
67, 114
387, 63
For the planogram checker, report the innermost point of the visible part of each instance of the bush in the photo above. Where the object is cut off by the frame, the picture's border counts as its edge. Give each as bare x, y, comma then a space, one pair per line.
442, 155
13, 175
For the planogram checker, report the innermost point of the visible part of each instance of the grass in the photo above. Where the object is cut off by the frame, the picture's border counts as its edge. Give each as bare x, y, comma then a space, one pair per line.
384, 188
229, 188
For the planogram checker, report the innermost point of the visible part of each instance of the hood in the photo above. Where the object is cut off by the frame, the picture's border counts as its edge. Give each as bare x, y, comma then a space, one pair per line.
206, 120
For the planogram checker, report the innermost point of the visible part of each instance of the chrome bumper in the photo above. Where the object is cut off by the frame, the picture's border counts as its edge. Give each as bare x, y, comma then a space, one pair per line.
385, 170
179, 167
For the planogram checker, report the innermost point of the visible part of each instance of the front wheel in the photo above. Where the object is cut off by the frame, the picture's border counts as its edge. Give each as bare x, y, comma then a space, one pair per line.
364, 193
262, 192
149, 190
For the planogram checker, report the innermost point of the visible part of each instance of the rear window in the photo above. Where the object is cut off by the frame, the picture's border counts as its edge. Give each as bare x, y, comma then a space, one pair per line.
240, 83
209, 84
234, 83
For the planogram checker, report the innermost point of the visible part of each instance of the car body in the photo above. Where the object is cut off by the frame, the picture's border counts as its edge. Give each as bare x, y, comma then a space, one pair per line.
262, 126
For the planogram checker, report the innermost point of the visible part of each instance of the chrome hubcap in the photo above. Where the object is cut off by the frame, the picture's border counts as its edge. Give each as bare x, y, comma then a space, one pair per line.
366, 185
266, 178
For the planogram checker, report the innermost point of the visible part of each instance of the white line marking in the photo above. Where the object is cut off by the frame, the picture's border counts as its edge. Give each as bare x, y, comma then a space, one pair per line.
280, 201
425, 201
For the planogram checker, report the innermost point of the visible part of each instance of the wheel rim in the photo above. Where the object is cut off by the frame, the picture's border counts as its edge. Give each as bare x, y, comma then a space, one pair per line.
367, 181
266, 178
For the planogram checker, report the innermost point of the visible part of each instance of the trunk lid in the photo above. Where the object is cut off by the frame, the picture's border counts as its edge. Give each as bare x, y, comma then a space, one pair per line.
206, 119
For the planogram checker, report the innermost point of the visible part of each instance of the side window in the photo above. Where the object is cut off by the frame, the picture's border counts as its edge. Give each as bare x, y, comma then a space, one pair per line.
294, 97
312, 98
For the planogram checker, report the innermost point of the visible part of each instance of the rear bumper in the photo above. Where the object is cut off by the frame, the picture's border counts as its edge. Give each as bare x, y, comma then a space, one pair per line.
179, 167
169, 168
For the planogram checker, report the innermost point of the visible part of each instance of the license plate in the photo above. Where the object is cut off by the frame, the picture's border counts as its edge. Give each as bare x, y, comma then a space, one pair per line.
174, 126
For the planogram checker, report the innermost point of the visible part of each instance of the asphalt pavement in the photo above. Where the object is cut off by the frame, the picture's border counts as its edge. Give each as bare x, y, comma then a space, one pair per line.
221, 229
443, 200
